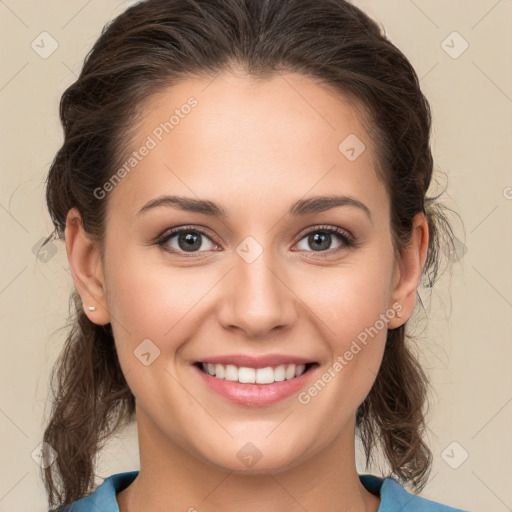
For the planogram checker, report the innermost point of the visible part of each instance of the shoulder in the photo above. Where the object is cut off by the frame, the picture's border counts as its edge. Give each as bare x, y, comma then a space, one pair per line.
103, 497
394, 497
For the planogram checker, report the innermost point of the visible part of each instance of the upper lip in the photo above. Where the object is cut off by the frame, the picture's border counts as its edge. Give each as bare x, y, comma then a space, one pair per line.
249, 361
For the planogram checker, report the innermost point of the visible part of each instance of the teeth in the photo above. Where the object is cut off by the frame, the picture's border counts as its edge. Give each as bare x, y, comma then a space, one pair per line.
280, 373
231, 372
247, 375
265, 375
300, 370
219, 371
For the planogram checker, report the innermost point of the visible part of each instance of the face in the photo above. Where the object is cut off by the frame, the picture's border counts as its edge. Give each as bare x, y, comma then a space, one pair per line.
278, 274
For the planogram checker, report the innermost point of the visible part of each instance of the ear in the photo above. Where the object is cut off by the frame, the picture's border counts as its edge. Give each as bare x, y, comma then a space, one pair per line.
408, 270
86, 268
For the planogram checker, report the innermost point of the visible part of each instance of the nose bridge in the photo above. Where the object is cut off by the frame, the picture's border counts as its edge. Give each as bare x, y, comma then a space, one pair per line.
257, 299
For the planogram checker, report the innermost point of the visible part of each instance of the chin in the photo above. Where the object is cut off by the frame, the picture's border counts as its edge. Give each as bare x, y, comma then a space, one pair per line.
254, 458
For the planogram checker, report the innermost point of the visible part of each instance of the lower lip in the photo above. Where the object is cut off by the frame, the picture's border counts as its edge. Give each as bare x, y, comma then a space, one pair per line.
255, 394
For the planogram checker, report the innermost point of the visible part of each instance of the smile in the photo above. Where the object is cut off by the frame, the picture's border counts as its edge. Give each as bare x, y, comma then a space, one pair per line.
248, 375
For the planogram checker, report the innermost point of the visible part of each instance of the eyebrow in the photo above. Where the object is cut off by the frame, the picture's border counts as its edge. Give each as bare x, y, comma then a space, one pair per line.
313, 204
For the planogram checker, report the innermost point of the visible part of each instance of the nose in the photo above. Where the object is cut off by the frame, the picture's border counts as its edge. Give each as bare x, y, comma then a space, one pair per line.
257, 298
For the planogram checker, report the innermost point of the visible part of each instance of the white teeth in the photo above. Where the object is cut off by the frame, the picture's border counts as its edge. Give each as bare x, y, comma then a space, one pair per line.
247, 375
264, 376
219, 371
231, 372
280, 373
300, 370
290, 372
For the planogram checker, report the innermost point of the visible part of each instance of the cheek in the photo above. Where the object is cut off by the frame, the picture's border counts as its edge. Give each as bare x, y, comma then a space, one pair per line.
136, 303
347, 300
354, 319
353, 308
153, 301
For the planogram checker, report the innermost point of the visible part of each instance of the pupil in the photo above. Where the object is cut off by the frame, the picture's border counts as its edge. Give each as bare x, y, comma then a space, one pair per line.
189, 242
318, 241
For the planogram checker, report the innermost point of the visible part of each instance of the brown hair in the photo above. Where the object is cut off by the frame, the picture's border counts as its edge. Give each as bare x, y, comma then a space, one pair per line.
156, 43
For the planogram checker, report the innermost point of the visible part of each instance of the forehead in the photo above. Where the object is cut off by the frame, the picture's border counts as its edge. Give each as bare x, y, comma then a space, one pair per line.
234, 134
263, 106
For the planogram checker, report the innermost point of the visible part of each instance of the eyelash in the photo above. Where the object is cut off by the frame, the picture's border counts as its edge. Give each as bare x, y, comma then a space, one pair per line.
347, 240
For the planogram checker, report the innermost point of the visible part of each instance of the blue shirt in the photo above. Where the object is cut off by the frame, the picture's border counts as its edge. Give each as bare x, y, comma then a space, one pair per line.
393, 496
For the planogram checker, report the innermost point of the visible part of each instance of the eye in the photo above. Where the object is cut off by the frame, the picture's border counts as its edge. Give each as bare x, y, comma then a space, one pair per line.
192, 239
321, 238
186, 240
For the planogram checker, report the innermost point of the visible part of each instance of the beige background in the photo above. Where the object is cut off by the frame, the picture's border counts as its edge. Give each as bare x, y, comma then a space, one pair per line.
467, 346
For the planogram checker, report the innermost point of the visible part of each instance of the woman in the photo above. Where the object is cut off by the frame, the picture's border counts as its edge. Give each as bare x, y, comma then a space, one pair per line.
242, 193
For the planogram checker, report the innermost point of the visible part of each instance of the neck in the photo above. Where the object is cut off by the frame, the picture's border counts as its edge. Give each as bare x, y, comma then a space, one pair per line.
171, 478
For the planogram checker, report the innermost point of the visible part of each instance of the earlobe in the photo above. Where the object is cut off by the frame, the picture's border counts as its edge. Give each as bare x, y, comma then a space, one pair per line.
409, 268
86, 268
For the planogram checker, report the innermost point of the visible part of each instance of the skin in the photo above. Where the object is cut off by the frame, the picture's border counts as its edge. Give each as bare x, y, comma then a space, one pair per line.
255, 148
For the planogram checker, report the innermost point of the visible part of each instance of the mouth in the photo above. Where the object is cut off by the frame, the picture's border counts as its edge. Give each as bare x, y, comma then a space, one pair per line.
251, 375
